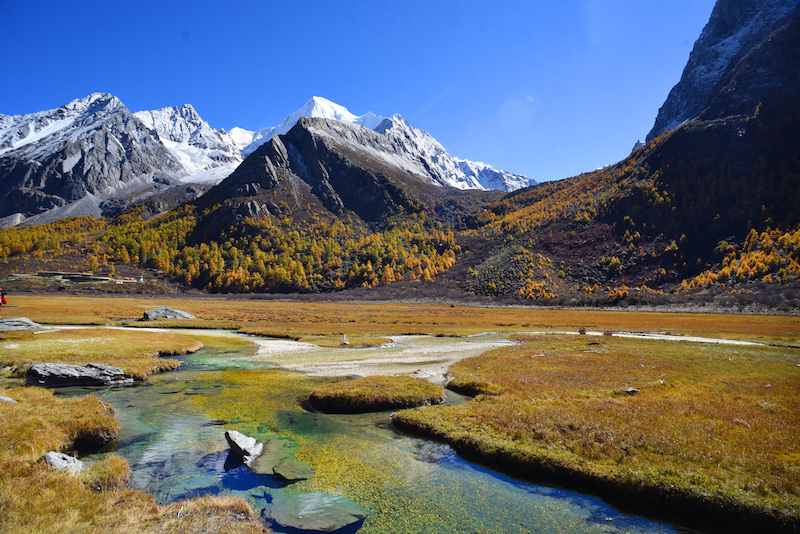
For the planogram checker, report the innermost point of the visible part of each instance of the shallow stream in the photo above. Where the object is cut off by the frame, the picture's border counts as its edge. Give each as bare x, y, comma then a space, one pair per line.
173, 436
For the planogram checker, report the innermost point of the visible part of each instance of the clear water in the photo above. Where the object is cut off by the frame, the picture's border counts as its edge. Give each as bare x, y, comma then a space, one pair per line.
173, 436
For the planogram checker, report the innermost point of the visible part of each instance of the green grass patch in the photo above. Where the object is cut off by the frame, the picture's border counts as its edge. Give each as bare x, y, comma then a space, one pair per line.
716, 425
376, 393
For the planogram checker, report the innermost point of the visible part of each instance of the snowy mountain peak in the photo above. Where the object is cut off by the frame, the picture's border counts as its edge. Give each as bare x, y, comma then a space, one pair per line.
447, 170
94, 100
205, 153
316, 108
420, 150
322, 108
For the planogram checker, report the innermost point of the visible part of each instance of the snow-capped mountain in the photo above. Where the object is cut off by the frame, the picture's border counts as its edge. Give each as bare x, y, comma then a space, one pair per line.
733, 30
69, 160
419, 148
93, 155
206, 154
316, 108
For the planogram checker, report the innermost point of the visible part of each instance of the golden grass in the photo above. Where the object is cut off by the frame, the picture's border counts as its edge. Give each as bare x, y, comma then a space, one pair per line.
376, 393
297, 320
719, 424
34, 498
137, 353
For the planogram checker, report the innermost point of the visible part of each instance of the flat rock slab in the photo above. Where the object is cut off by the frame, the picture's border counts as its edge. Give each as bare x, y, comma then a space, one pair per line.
317, 512
63, 462
276, 451
64, 375
292, 471
19, 323
165, 312
3, 398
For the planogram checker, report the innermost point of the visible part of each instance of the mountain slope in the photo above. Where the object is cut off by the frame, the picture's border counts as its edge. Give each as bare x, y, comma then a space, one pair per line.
735, 27
421, 149
718, 185
316, 108
89, 150
197, 146
327, 164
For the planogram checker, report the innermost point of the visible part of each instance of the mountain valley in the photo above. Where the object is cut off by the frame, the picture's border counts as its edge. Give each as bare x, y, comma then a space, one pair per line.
343, 206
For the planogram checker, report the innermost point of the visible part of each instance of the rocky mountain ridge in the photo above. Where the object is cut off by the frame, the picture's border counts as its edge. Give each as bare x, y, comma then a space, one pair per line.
93, 156
70, 160
733, 30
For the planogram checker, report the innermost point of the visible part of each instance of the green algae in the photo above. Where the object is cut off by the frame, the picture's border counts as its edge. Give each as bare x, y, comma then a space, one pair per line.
356, 457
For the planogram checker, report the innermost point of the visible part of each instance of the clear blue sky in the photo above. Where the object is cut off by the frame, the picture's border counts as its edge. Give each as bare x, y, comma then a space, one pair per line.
548, 89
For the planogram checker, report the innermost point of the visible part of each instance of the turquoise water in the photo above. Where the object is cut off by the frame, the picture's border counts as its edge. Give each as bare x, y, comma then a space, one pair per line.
173, 436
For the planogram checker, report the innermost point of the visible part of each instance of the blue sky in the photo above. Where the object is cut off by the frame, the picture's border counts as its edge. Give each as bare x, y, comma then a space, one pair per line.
542, 88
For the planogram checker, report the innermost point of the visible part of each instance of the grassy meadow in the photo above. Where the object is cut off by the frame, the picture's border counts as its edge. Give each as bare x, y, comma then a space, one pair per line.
714, 427
34, 498
137, 353
301, 320
710, 429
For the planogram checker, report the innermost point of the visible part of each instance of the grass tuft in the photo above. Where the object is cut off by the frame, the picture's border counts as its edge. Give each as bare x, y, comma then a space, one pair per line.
376, 393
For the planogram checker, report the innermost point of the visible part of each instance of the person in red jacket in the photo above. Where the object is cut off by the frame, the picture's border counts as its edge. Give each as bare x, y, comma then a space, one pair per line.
2, 301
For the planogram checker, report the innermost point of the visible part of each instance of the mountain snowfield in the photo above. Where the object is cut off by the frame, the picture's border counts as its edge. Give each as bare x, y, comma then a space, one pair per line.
40, 133
147, 151
316, 108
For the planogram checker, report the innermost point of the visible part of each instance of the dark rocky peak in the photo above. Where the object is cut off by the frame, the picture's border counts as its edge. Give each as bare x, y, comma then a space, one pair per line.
734, 29
339, 167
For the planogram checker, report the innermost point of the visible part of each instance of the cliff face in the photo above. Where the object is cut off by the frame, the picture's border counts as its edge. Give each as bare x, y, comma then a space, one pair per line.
334, 166
735, 29
91, 148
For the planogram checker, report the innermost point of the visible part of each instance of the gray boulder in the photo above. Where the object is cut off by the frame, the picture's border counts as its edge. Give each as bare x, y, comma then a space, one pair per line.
19, 323
165, 312
63, 462
244, 447
316, 512
64, 375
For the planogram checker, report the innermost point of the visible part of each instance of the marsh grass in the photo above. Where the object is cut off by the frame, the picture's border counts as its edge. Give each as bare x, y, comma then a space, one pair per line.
137, 353
718, 425
376, 393
299, 319
34, 498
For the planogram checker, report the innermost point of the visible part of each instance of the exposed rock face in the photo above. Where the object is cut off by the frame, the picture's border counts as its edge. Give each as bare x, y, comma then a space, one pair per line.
244, 447
165, 312
735, 28
91, 147
63, 462
337, 165
192, 141
64, 375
